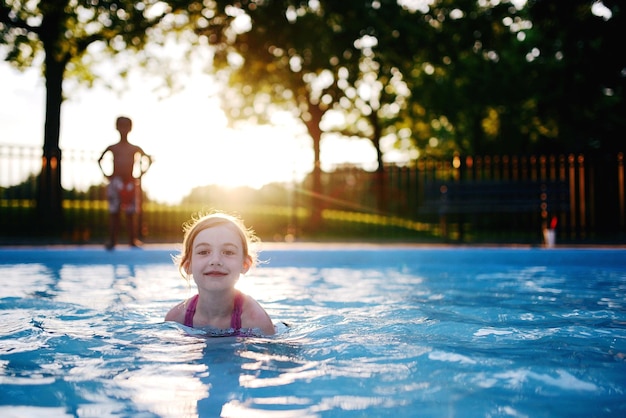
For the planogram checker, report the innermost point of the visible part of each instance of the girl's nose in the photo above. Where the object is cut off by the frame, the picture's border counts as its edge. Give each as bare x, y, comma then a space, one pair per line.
215, 260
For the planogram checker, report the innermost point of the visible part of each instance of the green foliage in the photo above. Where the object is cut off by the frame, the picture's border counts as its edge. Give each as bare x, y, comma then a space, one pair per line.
483, 77
64, 30
57, 35
25, 190
449, 77
578, 74
309, 58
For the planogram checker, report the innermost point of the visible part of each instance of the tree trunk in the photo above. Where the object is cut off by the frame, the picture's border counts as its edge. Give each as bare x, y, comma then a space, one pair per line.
313, 127
380, 186
49, 194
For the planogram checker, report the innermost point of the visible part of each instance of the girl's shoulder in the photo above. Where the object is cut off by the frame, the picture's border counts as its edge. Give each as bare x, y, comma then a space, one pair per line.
254, 316
177, 313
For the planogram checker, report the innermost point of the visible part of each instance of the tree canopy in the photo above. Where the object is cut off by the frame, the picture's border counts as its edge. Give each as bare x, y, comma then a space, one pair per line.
58, 35
434, 77
481, 76
438, 77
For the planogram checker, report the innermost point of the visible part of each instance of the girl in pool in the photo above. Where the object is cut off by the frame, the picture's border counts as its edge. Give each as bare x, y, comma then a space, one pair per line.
216, 251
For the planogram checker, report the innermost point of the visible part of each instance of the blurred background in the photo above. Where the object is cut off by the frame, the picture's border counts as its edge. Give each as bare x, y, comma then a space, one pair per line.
468, 121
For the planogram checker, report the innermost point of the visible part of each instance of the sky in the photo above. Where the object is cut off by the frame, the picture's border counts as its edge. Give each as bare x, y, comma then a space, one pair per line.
186, 134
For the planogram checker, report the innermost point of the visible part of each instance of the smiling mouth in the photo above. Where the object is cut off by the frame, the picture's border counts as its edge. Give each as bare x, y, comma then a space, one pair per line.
215, 273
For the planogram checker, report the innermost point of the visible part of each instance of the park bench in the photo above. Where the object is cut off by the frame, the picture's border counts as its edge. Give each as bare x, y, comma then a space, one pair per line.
463, 199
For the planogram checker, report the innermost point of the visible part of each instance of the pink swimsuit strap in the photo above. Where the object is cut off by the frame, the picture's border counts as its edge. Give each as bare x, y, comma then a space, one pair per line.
191, 310
235, 319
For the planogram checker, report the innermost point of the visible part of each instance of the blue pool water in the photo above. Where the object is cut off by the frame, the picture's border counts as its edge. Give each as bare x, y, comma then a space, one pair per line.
374, 332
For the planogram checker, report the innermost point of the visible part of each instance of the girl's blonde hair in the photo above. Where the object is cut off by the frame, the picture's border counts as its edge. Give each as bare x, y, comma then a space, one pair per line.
212, 219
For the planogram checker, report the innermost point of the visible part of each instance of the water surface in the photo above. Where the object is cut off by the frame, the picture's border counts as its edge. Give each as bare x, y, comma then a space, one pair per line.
373, 331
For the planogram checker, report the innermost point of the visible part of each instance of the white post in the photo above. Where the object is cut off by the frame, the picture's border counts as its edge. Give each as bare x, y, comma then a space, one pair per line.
549, 237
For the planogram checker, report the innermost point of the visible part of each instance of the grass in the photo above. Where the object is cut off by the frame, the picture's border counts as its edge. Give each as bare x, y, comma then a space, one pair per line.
86, 221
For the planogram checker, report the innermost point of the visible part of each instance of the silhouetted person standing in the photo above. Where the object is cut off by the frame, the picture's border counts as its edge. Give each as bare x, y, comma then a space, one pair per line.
123, 189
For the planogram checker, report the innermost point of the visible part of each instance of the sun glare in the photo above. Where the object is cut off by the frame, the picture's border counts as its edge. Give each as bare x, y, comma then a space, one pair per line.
186, 134
188, 138
252, 157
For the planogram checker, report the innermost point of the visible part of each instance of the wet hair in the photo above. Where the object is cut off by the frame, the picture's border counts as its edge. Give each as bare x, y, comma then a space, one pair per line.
201, 222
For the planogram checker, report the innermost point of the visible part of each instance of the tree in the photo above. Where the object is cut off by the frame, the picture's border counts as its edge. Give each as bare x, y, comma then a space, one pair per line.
537, 77
60, 32
579, 72
465, 80
310, 58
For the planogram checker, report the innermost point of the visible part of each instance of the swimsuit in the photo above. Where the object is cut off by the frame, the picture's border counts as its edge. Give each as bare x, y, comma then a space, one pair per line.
235, 319
121, 195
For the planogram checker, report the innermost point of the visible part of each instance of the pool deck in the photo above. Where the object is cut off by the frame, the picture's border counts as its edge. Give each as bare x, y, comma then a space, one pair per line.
303, 246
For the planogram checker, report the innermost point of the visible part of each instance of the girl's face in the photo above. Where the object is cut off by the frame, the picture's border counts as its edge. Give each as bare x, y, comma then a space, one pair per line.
217, 258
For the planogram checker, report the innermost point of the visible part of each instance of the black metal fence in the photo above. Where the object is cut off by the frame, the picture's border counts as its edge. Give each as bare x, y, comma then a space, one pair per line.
495, 198
466, 199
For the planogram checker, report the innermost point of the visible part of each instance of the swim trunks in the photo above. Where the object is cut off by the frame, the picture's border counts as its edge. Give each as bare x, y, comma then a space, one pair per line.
121, 195
235, 319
